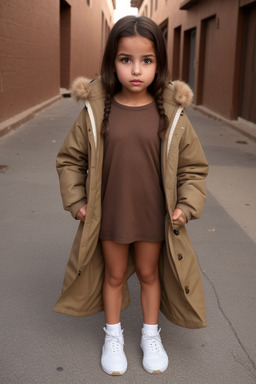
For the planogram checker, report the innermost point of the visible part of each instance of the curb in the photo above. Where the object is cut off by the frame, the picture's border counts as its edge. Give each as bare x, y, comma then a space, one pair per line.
244, 127
11, 124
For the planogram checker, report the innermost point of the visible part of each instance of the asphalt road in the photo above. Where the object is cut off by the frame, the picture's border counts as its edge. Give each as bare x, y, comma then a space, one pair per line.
40, 346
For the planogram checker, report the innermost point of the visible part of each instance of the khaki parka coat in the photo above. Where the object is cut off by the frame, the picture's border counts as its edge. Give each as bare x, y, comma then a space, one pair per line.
184, 169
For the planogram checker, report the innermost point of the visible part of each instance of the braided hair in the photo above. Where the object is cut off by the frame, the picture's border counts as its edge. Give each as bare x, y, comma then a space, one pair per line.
126, 27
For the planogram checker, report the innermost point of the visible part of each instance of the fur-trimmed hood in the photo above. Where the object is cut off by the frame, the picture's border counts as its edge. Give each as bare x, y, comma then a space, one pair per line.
83, 88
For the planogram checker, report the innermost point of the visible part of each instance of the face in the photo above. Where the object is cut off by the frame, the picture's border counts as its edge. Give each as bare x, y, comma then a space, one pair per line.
135, 64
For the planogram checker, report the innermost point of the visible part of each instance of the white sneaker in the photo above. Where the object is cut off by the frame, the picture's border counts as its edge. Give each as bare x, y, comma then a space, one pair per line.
155, 359
113, 359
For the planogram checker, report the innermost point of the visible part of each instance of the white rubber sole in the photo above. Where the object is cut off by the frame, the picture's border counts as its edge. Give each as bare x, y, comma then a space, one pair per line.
114, 373
156, 371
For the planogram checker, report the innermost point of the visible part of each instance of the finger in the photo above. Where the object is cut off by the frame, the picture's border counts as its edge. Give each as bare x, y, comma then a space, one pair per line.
176, 214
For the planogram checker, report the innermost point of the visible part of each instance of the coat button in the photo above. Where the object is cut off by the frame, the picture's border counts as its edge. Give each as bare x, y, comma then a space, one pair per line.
186, 289
180, 257
176, 232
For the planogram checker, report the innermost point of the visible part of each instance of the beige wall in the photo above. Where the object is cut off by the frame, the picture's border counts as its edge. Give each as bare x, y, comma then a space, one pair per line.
30, 53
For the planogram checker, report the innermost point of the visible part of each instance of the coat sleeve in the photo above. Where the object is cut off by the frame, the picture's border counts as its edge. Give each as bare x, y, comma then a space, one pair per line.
191, 174
72, 166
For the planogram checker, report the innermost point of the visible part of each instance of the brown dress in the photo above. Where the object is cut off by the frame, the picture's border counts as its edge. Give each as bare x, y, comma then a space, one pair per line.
133, 204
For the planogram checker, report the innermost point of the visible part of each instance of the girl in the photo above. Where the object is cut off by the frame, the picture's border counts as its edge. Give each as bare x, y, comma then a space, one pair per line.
133, 172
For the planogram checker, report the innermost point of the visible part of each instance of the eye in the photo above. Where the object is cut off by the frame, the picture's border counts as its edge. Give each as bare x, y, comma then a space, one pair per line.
147, 61
125, 60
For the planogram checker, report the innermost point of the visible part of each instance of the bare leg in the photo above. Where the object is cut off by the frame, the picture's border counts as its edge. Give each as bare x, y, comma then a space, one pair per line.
146, 259
116, 258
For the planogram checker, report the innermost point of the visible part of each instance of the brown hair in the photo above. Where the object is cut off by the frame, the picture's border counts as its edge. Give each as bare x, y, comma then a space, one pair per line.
126, 27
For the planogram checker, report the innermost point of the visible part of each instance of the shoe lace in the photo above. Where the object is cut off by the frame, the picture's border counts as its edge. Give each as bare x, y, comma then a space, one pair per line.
153, 342
114, 341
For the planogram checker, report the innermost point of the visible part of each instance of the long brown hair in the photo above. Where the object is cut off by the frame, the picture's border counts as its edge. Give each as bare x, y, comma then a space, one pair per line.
126, 27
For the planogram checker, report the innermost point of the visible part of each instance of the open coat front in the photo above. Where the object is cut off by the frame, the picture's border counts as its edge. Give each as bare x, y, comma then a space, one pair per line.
184, 169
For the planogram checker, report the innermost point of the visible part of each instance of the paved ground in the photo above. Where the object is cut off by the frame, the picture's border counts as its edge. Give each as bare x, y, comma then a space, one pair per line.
39, 346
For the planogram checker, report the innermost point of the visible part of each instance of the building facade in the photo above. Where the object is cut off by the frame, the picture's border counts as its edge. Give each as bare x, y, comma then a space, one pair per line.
45, 44
211, 45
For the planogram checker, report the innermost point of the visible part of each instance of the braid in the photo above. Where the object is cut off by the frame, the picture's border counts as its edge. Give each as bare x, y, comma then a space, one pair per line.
107, 109
163, 123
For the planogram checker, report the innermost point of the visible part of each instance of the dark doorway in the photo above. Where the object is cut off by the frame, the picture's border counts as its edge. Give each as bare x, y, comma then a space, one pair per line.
176, 54
189, 57
65, 18
247, 94
207, 69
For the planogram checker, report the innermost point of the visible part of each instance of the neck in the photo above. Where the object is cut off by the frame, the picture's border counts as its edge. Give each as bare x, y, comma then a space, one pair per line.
134, 100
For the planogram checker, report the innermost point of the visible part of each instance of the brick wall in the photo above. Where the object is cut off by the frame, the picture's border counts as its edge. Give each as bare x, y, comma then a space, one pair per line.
44, 45
29, 54
205, 41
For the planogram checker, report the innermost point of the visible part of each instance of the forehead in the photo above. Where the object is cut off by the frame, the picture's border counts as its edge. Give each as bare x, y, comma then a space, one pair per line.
135, 45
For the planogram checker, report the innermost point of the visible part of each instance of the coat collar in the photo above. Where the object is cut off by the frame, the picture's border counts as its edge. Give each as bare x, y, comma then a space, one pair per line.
85, 89
177, 93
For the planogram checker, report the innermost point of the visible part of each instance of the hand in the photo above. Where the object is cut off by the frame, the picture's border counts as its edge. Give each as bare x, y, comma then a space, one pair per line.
81, 214
179, 217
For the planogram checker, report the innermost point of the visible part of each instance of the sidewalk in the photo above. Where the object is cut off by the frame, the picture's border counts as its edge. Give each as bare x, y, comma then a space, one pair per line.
244, 127
39, 346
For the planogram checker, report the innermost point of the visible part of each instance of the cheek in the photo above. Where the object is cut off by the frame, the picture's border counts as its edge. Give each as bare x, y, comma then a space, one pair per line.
152, 74
121, 72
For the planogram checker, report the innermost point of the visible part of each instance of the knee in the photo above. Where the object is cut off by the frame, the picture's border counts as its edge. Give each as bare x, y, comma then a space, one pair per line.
115, 278
148, 276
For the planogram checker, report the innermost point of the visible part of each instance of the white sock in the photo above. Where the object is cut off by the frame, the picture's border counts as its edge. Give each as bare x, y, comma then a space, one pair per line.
150, 329
115, 328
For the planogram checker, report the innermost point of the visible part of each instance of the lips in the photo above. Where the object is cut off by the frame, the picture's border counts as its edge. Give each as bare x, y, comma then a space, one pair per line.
136, 82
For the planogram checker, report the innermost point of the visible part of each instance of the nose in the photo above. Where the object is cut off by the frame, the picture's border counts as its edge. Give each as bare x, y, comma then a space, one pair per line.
136, 69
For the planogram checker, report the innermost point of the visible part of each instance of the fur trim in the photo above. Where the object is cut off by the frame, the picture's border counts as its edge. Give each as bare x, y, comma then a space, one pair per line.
81, 88
183, 93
